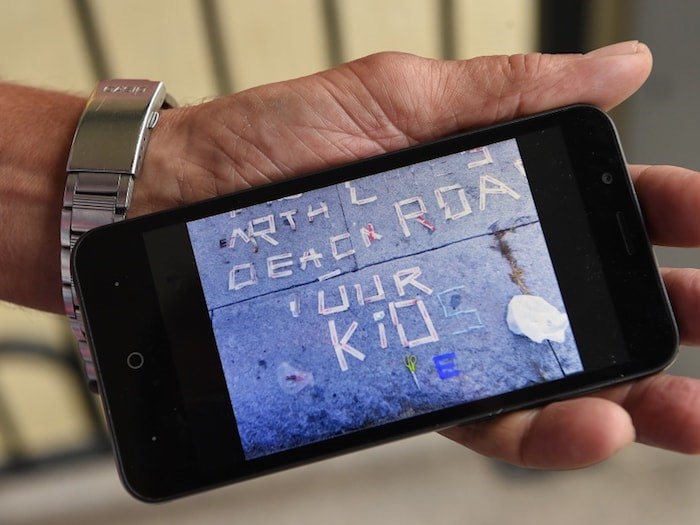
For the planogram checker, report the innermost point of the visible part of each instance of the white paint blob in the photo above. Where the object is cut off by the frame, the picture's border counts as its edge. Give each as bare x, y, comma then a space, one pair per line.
533, 317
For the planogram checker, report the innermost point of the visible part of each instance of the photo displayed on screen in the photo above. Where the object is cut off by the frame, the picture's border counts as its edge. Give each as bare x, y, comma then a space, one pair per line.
382, 298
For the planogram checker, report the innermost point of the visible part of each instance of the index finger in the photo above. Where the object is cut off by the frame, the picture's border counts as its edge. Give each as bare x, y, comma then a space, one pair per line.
669, 197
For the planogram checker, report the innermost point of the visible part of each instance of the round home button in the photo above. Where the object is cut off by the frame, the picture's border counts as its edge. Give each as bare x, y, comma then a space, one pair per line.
134, 360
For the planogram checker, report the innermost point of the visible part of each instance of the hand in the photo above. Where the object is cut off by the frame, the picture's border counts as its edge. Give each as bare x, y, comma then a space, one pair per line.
389, 101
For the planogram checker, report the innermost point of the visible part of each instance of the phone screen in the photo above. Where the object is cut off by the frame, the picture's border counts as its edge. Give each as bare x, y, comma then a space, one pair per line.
385, 297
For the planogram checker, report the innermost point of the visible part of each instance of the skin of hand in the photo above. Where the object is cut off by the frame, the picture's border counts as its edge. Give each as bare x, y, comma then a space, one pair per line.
373, 105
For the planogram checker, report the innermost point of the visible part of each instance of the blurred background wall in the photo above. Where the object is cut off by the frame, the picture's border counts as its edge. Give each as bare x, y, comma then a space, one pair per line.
54, 455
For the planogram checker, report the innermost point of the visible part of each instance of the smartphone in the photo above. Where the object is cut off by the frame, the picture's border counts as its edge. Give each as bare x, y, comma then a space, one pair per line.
438, 285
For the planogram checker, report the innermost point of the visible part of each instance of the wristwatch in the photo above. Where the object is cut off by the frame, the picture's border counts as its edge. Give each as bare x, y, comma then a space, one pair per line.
105, 158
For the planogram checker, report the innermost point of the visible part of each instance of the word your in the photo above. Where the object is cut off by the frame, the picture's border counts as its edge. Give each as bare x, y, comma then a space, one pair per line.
402, 280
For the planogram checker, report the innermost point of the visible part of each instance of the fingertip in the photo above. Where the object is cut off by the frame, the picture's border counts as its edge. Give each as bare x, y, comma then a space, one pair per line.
665, 412
525, 84
663, 188
611, 79
629, 47
576, 433
565, 435
683, 288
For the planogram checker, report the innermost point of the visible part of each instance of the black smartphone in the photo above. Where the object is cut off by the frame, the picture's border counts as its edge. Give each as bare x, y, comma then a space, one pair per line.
442, 284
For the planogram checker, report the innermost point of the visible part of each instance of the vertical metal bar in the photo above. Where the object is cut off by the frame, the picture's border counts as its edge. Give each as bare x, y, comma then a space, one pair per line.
564, 26
70, 359
92, 40
17, 455
331, 24
448, 34
14, 447
217, 48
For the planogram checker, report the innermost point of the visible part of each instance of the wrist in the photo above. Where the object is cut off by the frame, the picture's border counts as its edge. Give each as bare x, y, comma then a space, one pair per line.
202, 151
38, 127
167, 165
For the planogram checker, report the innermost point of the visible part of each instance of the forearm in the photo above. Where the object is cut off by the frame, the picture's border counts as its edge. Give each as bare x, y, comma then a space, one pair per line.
35, 134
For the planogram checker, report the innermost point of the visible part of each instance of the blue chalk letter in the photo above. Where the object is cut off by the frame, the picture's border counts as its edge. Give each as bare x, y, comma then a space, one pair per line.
446, 366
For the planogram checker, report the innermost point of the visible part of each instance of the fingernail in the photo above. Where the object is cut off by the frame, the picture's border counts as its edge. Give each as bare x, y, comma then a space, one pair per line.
630, 47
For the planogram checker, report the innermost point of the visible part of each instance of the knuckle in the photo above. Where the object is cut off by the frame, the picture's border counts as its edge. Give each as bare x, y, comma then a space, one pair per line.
522, 68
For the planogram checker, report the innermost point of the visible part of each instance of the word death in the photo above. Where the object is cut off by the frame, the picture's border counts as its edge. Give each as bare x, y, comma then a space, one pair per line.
450, 202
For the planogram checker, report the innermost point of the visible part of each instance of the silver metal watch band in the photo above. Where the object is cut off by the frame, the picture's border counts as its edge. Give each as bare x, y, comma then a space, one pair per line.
105, 158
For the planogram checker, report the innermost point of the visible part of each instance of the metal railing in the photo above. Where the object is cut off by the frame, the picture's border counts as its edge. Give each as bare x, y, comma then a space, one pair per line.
17, 456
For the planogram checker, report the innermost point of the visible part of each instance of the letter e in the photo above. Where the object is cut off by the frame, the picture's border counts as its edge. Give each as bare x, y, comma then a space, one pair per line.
446, 366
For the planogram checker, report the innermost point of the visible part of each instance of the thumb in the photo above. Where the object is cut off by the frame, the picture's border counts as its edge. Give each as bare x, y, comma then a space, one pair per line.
568, 434
438, 97
373, 105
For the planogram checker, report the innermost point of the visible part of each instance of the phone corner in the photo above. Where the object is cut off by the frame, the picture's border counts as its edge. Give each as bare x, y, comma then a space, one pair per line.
141, 494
